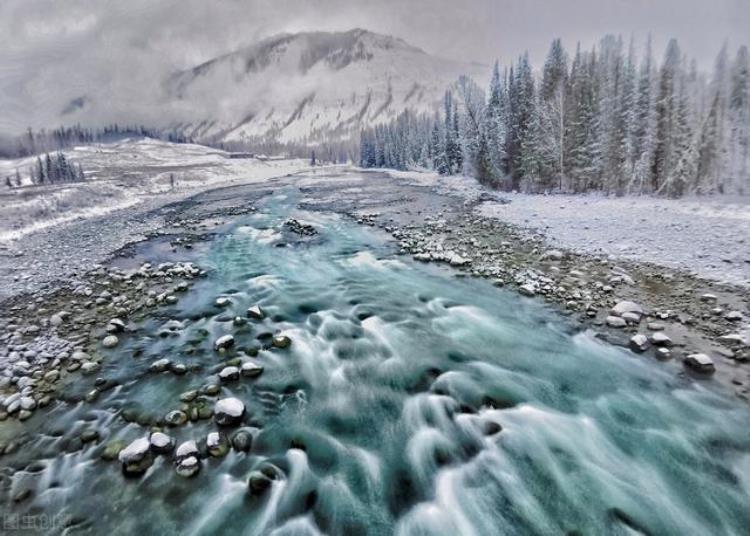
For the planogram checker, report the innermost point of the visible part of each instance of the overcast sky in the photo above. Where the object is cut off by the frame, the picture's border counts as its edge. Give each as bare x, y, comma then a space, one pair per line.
52, 46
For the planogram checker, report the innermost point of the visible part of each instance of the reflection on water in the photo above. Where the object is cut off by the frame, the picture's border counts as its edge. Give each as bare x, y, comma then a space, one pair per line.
409, 402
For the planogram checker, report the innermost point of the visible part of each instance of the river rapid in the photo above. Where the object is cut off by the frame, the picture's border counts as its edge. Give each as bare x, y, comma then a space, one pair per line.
409, 402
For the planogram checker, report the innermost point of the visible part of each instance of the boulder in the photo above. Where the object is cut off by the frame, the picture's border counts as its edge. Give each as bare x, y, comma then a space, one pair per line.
616, 322
187, 449
625, 306
161, 443
527, 289
281, 341
639, 343
136, 457
224, 342
110, 341
160, 365
242, 441
175, 418
256, 313
229, 374
217, 444
700, 363
661, 339
228, 411
188, 467
251, 370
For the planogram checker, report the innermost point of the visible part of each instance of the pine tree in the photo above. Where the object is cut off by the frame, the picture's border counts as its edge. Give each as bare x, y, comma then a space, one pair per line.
494, 127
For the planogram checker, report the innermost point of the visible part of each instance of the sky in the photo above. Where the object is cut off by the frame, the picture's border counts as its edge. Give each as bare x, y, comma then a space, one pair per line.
51, 50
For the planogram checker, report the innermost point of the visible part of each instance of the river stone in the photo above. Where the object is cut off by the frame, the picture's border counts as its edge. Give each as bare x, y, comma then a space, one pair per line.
616, 322
256, 313
175, 418
261, 479
242, 440
56, 320
110, 341
27, 403
222, 301
631, 318
187, 449
639, 343
178, 368
136, 457
112, 450
734, 316
87, 436
229, 374
660, 339
251, 370
228, 411
188, 396
115, 326
527, 289
216, 444
188, 467
160, 365
224, 342
281, 341
700, 363
161, 443
89, 367
663, 353
625, 306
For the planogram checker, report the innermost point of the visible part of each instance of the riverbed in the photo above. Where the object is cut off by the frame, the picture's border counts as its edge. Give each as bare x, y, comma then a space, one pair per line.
410, 400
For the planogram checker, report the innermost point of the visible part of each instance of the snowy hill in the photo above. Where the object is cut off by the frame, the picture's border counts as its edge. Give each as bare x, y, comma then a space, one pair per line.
310, 87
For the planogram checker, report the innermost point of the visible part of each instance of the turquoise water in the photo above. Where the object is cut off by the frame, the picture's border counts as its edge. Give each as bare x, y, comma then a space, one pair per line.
410, 402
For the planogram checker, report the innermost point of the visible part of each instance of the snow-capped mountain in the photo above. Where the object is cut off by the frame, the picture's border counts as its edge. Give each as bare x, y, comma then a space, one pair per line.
308, 87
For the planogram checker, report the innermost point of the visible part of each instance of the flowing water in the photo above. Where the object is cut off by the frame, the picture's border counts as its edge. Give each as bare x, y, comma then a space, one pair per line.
410, 402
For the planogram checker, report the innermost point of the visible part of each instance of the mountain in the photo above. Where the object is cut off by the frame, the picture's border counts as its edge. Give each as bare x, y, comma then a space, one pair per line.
309, 87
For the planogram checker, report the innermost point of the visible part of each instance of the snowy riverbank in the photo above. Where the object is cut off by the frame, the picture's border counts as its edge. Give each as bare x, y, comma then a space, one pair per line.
708, 237
121, 175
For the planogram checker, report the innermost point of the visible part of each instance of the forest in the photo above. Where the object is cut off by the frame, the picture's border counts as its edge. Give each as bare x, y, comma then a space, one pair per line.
605, 121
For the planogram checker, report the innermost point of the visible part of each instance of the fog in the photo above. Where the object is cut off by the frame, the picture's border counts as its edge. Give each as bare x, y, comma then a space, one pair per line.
52, 52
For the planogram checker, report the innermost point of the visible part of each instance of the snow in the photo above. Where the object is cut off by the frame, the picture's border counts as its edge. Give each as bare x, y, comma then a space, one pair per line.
121, 175
707, 236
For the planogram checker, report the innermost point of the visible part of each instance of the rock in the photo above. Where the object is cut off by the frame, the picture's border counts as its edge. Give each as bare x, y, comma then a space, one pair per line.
663, 353
625, 306
160, 365
700, 363
175, 418
27, 403
256, 313
112, 450
188, 396
281, 341
229, 374
56, 320
655, 326
115, 326
228, 411
178, 368
224, 342
639, 343
708, 298
661, 339
216, 444
261, 479
242, 441
89, 367
631, 318
186, 450
136, 457
161, 443
87, 436
616, 322
251, 370
734, 316
222, 301
527, 289
188, 467
110, 341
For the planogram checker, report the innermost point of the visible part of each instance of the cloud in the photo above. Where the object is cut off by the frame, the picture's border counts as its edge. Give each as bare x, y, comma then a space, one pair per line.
52, 52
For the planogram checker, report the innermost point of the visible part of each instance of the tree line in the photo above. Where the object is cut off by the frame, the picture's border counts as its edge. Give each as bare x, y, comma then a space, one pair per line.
52, 169
604, 121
